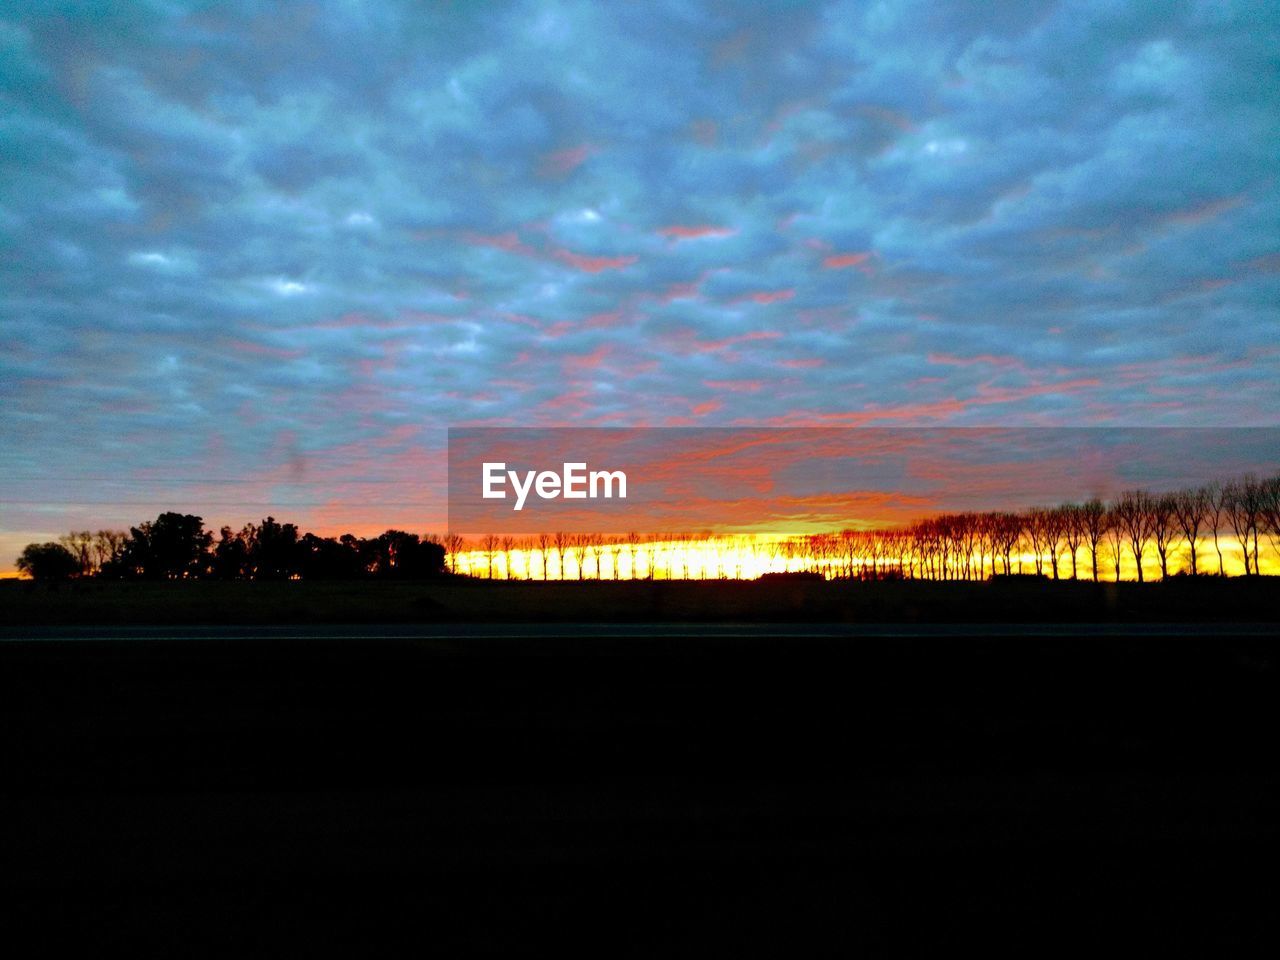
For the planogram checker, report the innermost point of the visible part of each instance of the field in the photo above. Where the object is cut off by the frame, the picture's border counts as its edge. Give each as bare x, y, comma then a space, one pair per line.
1181, 599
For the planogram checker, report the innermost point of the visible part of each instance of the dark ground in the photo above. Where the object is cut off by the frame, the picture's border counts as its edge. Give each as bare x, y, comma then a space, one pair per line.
461, 600
802, 791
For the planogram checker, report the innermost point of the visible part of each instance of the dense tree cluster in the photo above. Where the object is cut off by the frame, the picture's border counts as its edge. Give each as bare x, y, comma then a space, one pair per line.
177, 546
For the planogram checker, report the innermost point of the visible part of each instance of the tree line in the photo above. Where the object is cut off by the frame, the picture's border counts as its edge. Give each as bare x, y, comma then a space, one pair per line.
176, 546
1095, 539
1190, 531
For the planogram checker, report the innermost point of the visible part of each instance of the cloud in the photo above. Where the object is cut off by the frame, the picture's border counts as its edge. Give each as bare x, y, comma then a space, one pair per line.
224, 224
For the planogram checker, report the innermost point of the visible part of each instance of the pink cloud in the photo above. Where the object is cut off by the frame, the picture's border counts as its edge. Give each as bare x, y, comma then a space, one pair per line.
599, 320
686, 341
593, 264
841, 260
803, 363
978, 360
586, 361
772, 296
508, 241
679, 232
571, 402
734, 386
986, 395
557, 330
563, 162
680, 291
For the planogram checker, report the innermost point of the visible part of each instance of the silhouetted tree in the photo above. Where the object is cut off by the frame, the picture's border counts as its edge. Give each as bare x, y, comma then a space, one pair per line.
1074, 533
1094, 521
1216, 504
1190, 510
324, 558
173, 546
489, 544
544, 547
1243, 501
562, 541
108, 546
48, 562
1115, 539
1164, 527
230, 556
506, 545
79, 544
1135, 513
452, 543
1271, 511
405, 556
276, 555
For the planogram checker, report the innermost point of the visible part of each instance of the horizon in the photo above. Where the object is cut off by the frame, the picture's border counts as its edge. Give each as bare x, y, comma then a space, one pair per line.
261, 259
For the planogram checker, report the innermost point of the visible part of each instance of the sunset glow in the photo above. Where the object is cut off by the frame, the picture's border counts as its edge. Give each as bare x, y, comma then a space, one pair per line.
747, 557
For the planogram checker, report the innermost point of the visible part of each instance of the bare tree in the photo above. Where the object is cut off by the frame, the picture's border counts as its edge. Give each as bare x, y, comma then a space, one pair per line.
1094, 521
1271, 511
562, 541
1135, 512
1243, 501
1216, 510
80, 544
544, 545
1114, 530
1008, 533
595, 542
578, 545
489, 544
1164, 527
506, 545
615, 549
633, 547
452, 543
1036, 528
1190, 510
1055, 523
1073, 533
108, 547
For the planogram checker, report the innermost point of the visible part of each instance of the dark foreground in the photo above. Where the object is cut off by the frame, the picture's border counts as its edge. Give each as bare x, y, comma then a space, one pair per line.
463, 600
640, 791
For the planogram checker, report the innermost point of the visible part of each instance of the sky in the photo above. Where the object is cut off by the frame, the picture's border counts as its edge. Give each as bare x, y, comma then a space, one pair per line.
257, 257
